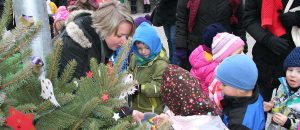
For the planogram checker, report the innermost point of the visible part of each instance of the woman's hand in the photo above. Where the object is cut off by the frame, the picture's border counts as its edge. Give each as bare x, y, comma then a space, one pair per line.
137, 115
157, 118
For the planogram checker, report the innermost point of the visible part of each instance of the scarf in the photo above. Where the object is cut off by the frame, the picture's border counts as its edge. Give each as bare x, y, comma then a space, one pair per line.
193, 5
270, 17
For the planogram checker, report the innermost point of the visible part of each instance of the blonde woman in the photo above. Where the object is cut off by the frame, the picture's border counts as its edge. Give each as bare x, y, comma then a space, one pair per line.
95, 35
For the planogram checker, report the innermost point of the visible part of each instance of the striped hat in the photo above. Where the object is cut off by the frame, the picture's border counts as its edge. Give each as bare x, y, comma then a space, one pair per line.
224, 44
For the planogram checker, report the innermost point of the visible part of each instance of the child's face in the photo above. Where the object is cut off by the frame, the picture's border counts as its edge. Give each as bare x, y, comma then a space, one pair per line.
293, 76
238, 51
229, 91
143, 49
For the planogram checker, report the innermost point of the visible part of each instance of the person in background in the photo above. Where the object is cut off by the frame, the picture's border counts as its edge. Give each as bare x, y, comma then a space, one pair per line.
133, 6
95, 35
147, 64
242, 103
271, 29
285, 104
87, 4
59, 19
147, 6
194, 15
166, 16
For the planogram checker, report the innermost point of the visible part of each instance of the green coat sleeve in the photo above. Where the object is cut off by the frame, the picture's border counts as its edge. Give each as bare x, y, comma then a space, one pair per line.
152, 89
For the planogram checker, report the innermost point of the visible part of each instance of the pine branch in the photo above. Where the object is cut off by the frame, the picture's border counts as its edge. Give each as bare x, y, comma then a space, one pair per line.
55, 120
6, 16
20, 76
103, 111
22, 39
67, 75
46, 107
14, 63
26, 108
121, 125
86, 111
93, 123
53, 60
96, 72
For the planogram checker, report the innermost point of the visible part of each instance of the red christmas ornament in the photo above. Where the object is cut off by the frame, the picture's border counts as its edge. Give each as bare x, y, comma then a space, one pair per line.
89, 74
19, 121
104, 97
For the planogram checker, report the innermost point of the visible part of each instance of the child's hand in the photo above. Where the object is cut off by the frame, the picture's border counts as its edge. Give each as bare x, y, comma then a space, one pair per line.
157, 118
137, 115
280, 119
268, 106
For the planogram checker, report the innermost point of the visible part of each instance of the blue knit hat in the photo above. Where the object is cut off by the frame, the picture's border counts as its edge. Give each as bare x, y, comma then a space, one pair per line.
238, 71
210, 31
293, 59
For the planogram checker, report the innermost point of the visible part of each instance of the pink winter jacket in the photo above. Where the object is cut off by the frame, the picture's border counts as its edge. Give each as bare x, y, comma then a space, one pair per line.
203, 67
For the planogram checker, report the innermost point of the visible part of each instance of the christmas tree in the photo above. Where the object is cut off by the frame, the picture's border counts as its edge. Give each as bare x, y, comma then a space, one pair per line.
32, 96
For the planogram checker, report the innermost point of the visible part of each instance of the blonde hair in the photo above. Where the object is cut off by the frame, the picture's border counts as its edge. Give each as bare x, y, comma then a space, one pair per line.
109, 16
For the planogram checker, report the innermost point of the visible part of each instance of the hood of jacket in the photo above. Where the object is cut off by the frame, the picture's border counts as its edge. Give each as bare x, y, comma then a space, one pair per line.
78, 27
147, 34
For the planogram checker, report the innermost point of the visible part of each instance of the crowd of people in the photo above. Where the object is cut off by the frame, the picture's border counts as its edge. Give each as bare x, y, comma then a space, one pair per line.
206, 80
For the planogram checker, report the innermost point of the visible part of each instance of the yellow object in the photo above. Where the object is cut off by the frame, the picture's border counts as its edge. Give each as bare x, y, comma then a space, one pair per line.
53, 7
207, 56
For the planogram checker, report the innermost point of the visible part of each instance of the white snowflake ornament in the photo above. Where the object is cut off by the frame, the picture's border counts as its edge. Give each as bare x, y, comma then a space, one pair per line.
47, 91
128, 79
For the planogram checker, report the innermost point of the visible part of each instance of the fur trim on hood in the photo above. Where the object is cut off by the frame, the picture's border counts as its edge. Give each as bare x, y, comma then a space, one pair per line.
74, 30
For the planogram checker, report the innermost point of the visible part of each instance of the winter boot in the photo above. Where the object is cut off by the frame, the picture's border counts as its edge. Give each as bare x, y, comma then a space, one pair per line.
133, 7
145, 8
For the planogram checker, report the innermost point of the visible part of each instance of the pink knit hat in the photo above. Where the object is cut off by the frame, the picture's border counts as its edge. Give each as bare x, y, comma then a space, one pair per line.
62, 13
224, 44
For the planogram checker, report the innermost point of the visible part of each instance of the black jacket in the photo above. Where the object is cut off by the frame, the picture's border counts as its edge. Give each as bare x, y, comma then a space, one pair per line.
252, 20
165, 12
81, 42
209, 12
244, 113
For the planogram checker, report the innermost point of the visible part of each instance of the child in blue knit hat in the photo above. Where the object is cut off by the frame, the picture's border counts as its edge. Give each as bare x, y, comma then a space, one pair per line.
242, 104
286, 101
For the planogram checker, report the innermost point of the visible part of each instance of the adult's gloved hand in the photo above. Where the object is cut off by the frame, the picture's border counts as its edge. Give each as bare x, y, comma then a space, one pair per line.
290, 19
181, 53
277, 45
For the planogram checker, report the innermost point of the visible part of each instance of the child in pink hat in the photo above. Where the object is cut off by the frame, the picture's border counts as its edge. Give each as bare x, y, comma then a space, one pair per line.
224, 45
62, 13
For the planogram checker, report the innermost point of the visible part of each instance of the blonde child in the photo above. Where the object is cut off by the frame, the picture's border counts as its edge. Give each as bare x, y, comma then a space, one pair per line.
147, 64
286, 103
